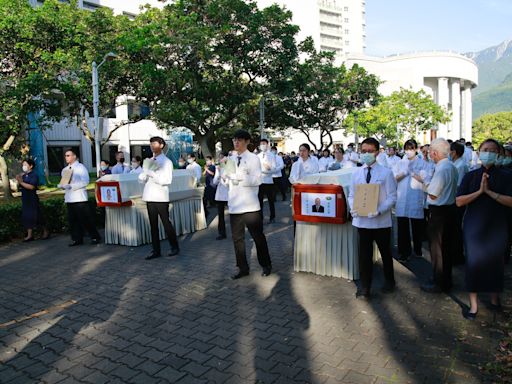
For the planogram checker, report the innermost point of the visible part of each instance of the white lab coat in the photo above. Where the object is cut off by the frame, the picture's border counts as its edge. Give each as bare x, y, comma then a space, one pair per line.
410, 193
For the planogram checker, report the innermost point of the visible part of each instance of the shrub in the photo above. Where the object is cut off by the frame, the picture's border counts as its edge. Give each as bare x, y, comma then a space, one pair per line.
54, 212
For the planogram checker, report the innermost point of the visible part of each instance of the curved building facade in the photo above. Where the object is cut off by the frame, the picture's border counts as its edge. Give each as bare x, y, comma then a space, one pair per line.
447, 77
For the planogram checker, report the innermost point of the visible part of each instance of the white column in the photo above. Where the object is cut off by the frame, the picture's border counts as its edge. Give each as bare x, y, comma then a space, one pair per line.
456, 131
467, 113
443, 95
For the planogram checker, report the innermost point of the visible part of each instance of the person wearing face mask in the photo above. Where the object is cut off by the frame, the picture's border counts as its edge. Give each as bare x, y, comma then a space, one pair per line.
31, 215
268, 168
277, 177
209, 190
441, 192
458, 159
376, 227
392, 159
221, 194
487, 195
325, 161
136, 165
105, 168
507, 161
194, 168
120, 166
182, 164
410, 201
350, 157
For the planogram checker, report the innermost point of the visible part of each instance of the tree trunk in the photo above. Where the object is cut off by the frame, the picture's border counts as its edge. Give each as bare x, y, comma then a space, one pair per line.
205, 143
4, 174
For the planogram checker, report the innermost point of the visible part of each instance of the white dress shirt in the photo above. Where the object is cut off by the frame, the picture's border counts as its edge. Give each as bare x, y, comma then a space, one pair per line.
157, 182
351, 159
222, 191
381, 158
462, 168
244, 184
302, 168
79, 181
391, 161
387, 195
195, 170
443, 184
468, 155
267, 159
324, 163
120, 169
136, 170
411, 196
279, 166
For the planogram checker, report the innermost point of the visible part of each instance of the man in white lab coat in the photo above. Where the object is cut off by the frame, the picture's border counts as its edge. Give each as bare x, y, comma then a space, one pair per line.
157, 179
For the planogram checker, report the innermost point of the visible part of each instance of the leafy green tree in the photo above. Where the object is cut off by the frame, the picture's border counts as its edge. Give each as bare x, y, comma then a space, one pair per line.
404, 113
496, 126
320, 95
45, 69
200, 64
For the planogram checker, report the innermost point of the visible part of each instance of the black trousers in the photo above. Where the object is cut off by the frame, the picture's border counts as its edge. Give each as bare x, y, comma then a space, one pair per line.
280, 187
221, 227
80, 217
441, 223
404, 225
381, 236
254, 223
156, 209
269, 191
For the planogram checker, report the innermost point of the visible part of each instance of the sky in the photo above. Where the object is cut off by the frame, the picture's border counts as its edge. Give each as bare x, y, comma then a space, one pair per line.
401, 26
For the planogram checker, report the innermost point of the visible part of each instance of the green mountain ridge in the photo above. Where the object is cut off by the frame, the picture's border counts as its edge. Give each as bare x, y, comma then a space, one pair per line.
494, 91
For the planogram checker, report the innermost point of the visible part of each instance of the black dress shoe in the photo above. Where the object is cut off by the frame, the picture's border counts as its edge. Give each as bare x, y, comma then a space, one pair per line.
266, 271
388, 288
239, 275
75, 243
271, 221
173, 251
152, 255
95, 241
220, 237
431, 288
362, 294
469, 315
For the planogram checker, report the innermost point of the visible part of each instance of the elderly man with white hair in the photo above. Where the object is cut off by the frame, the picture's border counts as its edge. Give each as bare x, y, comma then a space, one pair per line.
441, 192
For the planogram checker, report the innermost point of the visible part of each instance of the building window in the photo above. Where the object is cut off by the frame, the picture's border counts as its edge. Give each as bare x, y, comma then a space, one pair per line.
144, 151
347, 31
90, 6
346, 20
347, 42
56, 157
345, 9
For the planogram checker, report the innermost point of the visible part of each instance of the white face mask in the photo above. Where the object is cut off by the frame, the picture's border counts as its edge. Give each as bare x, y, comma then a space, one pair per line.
25, 168
263, 147
190, 161
134, 164
181, 164
103, 167
410, 153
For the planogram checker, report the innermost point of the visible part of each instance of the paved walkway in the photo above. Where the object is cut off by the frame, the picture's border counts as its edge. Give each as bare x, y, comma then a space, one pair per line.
98, 314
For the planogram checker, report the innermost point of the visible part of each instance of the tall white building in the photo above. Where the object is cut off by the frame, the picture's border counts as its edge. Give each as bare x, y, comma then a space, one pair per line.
335, 25
129, 8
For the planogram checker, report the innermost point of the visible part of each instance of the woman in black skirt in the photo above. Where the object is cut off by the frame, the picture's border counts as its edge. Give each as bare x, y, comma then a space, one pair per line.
487, 194
31, 215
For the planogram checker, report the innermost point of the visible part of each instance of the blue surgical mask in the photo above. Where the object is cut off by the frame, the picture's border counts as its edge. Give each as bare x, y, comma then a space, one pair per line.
367, 158
507, 161
499, 161
488, 158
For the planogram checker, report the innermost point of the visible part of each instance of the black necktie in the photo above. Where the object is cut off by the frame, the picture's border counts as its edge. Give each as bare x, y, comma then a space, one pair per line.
239, 159
368, 176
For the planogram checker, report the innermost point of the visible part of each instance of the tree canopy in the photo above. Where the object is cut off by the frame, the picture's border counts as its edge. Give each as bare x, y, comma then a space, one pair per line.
497, 126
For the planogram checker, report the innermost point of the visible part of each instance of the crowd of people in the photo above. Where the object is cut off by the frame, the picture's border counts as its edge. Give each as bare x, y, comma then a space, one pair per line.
446, 192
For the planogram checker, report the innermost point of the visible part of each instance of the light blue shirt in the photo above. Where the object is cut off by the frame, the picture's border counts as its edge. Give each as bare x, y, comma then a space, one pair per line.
462, 168
387, 195
443, 184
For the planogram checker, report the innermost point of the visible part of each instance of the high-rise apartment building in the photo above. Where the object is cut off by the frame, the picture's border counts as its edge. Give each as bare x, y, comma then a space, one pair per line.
335, 25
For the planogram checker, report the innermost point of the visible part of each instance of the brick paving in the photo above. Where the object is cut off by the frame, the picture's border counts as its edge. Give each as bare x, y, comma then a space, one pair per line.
102, 314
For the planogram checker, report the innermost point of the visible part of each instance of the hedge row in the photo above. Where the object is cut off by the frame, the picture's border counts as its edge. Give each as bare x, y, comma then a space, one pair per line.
54, 211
